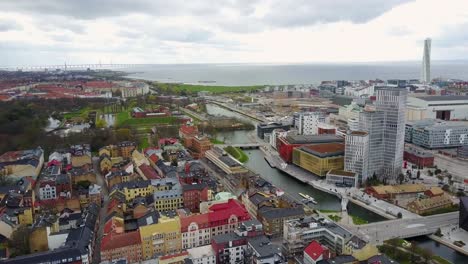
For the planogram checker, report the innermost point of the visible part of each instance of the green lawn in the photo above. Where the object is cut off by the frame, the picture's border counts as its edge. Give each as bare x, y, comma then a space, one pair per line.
328, 211
82, 112
121, 117
216, 141
237, 153
149, 121
358, 220
335, 218
441, 260
188, 88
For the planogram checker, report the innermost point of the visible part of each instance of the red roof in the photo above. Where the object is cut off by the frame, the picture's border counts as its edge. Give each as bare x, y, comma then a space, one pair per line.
99, 84
314, 250
149, 172
219, 215
189, 130
114, 241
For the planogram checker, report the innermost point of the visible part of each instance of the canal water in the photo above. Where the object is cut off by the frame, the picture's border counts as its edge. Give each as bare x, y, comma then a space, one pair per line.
325, 201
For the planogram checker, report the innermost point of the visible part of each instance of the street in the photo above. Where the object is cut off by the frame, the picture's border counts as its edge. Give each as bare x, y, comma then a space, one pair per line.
102, 214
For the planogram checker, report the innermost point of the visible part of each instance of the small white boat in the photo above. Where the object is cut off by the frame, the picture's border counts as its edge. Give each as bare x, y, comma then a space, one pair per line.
308, 198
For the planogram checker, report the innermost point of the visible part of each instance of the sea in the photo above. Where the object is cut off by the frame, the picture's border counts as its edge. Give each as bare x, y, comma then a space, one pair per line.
239, 74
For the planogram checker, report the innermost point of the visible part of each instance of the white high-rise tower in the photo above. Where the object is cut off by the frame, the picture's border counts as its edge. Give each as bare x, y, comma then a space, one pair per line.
426, 63
385, 124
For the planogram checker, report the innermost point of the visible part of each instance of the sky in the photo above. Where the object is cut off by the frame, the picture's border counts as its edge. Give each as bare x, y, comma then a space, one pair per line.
47, 32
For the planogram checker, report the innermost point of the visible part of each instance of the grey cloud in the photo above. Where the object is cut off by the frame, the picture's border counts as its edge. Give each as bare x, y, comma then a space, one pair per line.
9, 25
92, 9
291, 13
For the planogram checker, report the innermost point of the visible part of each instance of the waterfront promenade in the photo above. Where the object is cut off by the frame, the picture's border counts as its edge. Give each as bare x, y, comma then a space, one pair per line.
380, 207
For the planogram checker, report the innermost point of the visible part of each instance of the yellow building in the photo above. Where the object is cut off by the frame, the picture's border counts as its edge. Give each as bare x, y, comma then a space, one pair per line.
105, 163
168, 200
134, 189
320, 158
25, 216
159, 236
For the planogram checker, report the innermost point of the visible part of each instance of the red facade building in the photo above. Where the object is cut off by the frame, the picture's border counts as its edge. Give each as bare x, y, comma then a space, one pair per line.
193, 195
418, 157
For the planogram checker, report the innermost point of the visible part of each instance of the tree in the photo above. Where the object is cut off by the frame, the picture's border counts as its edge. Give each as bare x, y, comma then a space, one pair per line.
101, 123
438, 232
399, 215
174, 163
437, 171
418, 174
19, 241
426, 255
401, 178
393, 243
413, 249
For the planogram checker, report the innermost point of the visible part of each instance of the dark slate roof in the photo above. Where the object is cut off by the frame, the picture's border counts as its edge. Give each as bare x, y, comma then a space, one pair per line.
257, 198
225, 238
190, 187
54, 256
264, 247
274, 213
148, 219
338, 260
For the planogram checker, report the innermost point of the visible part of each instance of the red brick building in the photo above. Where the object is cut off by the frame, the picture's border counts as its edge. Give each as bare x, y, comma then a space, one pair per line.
285, 145
418, 157
187, 133
193, 195
122, 246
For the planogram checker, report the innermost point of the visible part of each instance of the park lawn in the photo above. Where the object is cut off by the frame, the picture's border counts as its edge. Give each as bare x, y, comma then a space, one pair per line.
335, 218
82, 112
189, 88
358, 220
122, 117
149, 121
328, 211
216, 141
237, 153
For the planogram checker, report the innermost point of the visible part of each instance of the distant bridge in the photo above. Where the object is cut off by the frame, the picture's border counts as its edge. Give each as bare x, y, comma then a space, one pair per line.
71, 67
378, 232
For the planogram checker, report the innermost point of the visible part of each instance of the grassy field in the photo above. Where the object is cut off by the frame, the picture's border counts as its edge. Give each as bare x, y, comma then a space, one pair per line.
328, 211
210, 88
149, 121
335, 218
216, 141
122, 117
358, 220
82, 112
237, 153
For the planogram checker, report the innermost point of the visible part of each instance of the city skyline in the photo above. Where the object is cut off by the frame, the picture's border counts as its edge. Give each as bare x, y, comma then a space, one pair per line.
236, 32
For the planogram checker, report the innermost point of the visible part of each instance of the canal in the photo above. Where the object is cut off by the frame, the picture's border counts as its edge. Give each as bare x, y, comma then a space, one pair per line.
293, 187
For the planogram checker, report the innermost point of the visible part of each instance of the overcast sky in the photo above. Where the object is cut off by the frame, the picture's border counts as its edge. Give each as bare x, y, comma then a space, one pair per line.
226, 31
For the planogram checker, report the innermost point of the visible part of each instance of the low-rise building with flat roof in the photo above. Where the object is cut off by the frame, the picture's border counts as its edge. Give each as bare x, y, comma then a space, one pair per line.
320, 158
342, 178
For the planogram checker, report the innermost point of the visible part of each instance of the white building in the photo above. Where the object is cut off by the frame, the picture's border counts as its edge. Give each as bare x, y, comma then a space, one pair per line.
307, 123
275, 134
202, 255
358, 91
357, 154
426, 62
386, 127
437, 107
47, 192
